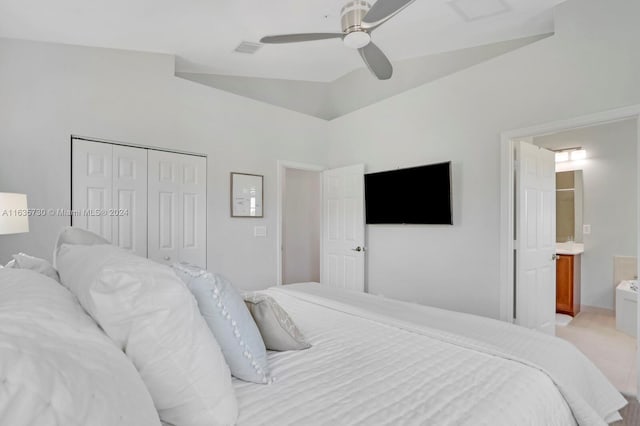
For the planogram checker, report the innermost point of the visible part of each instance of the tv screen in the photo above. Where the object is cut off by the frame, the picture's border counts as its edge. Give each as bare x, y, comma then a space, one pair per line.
417, 195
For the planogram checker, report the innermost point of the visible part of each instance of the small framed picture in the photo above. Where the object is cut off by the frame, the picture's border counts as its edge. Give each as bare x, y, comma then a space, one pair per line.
246, 195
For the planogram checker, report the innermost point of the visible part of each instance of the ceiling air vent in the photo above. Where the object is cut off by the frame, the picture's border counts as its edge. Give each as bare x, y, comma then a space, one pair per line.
473, 10
248, 47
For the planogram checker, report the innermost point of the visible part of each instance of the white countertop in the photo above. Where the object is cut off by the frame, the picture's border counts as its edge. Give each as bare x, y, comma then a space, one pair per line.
569, 248
626, 285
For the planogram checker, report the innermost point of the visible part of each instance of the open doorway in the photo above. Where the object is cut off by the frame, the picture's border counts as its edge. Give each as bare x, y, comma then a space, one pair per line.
596, 223
300, 222
603, 236
329, 204
301, 227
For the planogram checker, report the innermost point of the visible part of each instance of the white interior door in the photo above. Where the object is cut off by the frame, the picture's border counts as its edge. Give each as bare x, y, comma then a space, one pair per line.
92, 186
536, 238
130, 199
177, 208
343, 228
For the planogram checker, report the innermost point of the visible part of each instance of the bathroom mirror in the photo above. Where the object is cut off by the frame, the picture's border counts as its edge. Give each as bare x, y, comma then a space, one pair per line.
569, 206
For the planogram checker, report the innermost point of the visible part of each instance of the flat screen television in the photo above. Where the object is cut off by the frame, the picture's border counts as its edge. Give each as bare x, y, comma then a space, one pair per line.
416, 195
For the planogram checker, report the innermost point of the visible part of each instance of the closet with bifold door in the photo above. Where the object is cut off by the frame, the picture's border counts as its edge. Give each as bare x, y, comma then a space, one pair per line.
152, 202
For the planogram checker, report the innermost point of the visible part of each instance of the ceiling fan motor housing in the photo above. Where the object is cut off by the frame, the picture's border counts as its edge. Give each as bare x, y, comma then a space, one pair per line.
352, 14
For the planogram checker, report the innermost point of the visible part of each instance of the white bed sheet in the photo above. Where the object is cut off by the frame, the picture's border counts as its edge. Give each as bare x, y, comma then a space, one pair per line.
366, 368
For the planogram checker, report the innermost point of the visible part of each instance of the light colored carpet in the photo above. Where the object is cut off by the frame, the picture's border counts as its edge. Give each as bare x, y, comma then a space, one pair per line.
630, 414
613, 352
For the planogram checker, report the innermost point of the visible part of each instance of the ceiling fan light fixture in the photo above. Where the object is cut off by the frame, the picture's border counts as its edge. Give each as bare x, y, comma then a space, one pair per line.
356, 32
357, 39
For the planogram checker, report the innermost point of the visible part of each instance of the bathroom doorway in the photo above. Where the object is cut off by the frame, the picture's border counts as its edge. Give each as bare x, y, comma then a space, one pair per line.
596, 218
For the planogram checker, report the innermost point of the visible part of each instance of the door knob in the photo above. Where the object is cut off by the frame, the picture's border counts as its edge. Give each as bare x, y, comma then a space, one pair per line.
554, 256
358, 249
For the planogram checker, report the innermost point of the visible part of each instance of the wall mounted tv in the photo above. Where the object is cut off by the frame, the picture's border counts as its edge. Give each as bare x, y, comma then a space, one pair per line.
416, 195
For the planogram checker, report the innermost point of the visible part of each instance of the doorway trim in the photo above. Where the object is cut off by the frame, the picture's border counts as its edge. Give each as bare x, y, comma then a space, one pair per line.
282, 176
507, 206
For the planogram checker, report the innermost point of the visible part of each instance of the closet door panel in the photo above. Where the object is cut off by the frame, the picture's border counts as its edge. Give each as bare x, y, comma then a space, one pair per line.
130, 199
164, 210
92, 189
194, 210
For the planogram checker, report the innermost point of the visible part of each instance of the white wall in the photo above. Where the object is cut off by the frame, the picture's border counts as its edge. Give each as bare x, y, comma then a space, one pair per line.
49, 91
610, 201
301, 227
591, 64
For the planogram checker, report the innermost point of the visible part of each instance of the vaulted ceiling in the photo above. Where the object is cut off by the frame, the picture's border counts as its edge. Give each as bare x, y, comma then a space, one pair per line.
203, 35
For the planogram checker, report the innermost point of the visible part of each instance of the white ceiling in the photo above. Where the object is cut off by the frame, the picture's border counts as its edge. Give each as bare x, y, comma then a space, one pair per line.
204, 33
358, 88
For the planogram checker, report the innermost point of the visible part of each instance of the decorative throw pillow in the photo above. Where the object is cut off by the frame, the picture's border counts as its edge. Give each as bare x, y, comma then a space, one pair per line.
41, 266
230, 322
151, 315
276, 326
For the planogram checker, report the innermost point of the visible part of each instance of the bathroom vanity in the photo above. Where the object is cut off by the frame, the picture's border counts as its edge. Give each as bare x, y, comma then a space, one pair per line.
568, 258
569, 227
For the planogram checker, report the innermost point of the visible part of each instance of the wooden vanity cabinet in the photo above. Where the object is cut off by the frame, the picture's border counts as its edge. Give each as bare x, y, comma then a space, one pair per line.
568, 284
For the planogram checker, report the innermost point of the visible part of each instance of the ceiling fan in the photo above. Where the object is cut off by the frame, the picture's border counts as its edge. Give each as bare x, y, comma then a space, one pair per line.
359, 19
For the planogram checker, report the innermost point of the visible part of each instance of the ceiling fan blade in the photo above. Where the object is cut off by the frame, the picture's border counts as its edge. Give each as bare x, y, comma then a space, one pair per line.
382, 11
296, 38
376, 61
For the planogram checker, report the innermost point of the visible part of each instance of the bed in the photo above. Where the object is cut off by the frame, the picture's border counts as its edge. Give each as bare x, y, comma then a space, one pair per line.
386, 362
373, 361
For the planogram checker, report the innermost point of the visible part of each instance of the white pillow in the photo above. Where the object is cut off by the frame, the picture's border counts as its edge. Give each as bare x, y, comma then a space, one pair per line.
229, 320
41, 266
76, 236
56, 366
148, 311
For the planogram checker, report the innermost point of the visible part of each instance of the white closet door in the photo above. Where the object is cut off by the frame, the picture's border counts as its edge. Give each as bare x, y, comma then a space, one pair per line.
193, 243
91, 168
107, 179
130, 196
177, 208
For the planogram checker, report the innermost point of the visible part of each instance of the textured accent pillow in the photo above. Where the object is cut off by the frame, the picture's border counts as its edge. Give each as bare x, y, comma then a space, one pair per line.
278, 330
152, 316
41, 266
230, 322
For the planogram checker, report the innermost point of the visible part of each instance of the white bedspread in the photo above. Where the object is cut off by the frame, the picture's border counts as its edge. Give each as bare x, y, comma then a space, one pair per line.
376, 361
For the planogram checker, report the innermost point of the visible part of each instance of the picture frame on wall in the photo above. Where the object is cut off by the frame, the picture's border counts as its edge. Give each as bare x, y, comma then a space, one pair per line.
247, 195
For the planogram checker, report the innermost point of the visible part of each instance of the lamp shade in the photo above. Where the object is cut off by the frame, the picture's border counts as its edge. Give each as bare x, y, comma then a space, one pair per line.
14, 218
